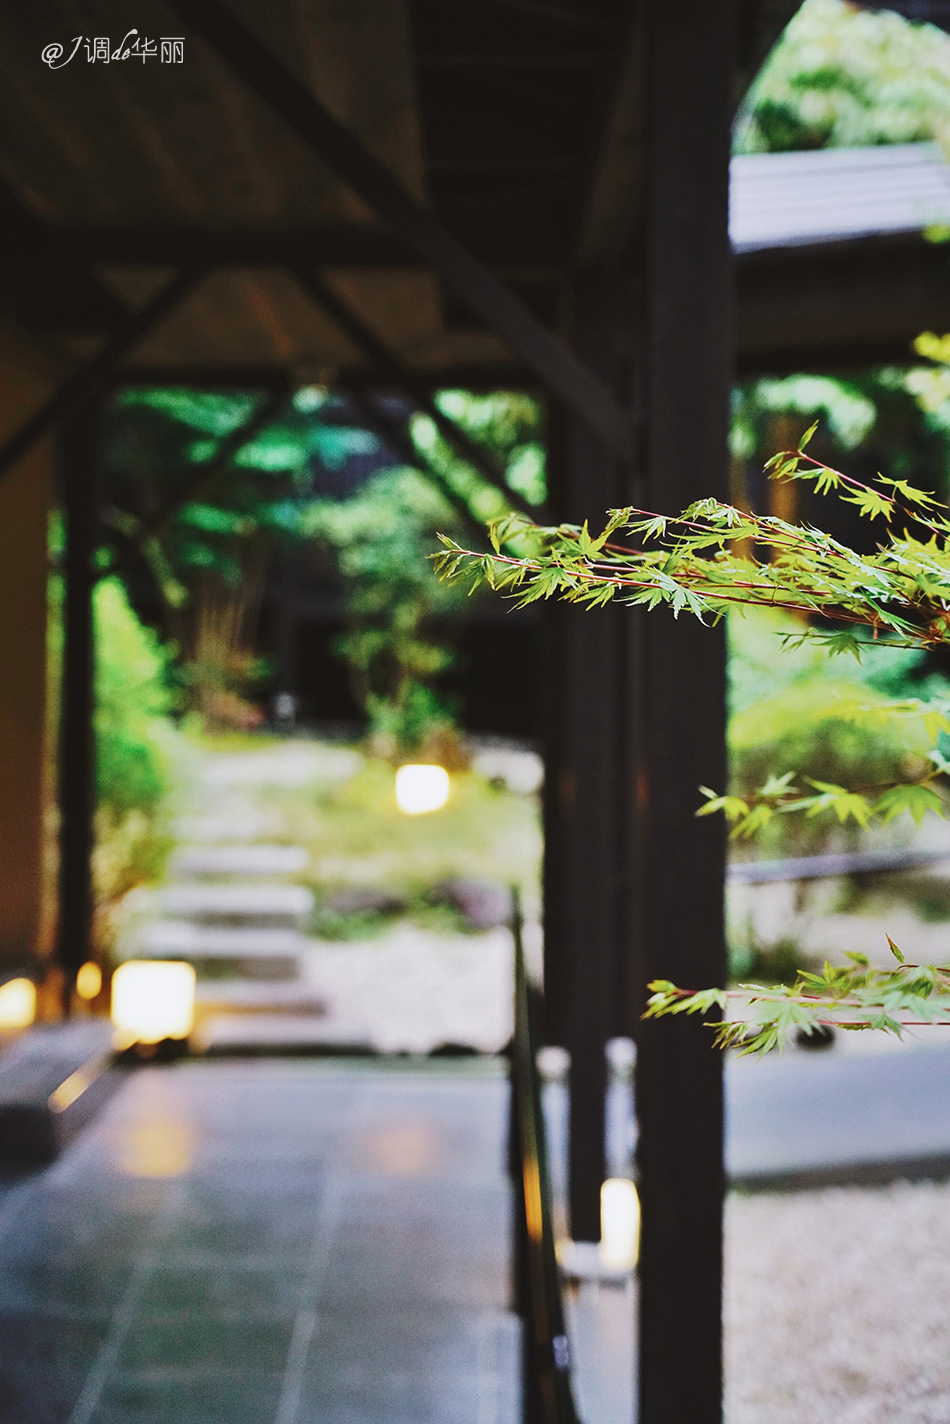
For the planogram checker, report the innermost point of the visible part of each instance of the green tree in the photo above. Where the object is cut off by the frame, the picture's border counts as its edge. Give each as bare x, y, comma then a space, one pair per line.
398, 643
843, 77
210, 555
313, 476
381, 537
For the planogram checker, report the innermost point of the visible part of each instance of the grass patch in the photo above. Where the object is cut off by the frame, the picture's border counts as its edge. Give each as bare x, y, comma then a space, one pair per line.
327, 924
356, 835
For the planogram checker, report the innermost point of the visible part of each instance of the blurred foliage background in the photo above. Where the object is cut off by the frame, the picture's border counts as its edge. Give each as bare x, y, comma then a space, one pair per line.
314, 477
845, 77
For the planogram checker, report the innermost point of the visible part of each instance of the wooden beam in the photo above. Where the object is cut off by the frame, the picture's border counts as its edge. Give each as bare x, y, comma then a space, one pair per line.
844, 357
586, 800
208, 377
389, 364
468, 277
761, 23
554, 60
680, 732
174, 245
804, 309
508, 165
615, 194
470, 376
391, 430
93, 378
24, 576
557, 14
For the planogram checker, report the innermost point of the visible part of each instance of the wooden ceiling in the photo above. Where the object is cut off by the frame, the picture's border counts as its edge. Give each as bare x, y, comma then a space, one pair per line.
490, 111
515, 121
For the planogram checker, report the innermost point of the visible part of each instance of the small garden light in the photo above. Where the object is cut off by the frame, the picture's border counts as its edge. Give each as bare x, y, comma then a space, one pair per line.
619, 1224
421, 788
17, 1004
153, 1000
88, 980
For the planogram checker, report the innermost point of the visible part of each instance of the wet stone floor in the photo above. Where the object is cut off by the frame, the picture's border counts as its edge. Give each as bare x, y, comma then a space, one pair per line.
267, 1243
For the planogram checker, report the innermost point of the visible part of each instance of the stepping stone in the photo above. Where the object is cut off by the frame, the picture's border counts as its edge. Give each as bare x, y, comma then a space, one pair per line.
166, 939
243, 826
293, 764
260, 953
51, 1082
249, 860
227, 903
246, 996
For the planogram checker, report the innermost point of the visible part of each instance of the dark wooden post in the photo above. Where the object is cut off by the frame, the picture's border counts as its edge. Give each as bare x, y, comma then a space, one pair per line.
688, 64
79, 441
584, 811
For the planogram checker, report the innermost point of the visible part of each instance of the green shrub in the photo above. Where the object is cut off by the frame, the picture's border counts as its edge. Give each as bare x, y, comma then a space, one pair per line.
135, 744
133, 700
793, 709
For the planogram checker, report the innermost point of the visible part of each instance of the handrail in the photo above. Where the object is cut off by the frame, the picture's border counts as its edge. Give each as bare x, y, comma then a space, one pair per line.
547, 1394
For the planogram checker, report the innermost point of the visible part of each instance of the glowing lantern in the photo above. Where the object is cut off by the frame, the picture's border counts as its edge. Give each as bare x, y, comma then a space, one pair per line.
421, 788
619, 1224
88, 980
17, 1003
153, 1000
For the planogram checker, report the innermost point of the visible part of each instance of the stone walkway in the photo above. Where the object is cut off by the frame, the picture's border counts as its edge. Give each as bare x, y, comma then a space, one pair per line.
279, 1243
232, 908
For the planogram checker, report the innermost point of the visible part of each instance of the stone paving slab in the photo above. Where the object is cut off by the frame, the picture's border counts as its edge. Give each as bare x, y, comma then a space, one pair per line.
235, 902
39, 1061
278, 1243
602, 1325
51, 1081
250, 860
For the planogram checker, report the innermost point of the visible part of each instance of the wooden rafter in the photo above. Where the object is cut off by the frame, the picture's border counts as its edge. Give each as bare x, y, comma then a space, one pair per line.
468, 277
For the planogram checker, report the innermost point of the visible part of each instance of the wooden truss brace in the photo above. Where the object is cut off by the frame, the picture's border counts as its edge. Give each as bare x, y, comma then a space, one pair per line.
141, 532
389, 364
541, 350
92, 378
391, 430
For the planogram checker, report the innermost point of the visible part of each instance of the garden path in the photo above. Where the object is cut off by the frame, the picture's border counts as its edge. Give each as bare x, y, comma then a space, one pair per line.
233, 904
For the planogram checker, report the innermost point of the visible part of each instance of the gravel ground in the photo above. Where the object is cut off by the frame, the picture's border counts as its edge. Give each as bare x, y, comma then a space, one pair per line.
838, 1306
412, 990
